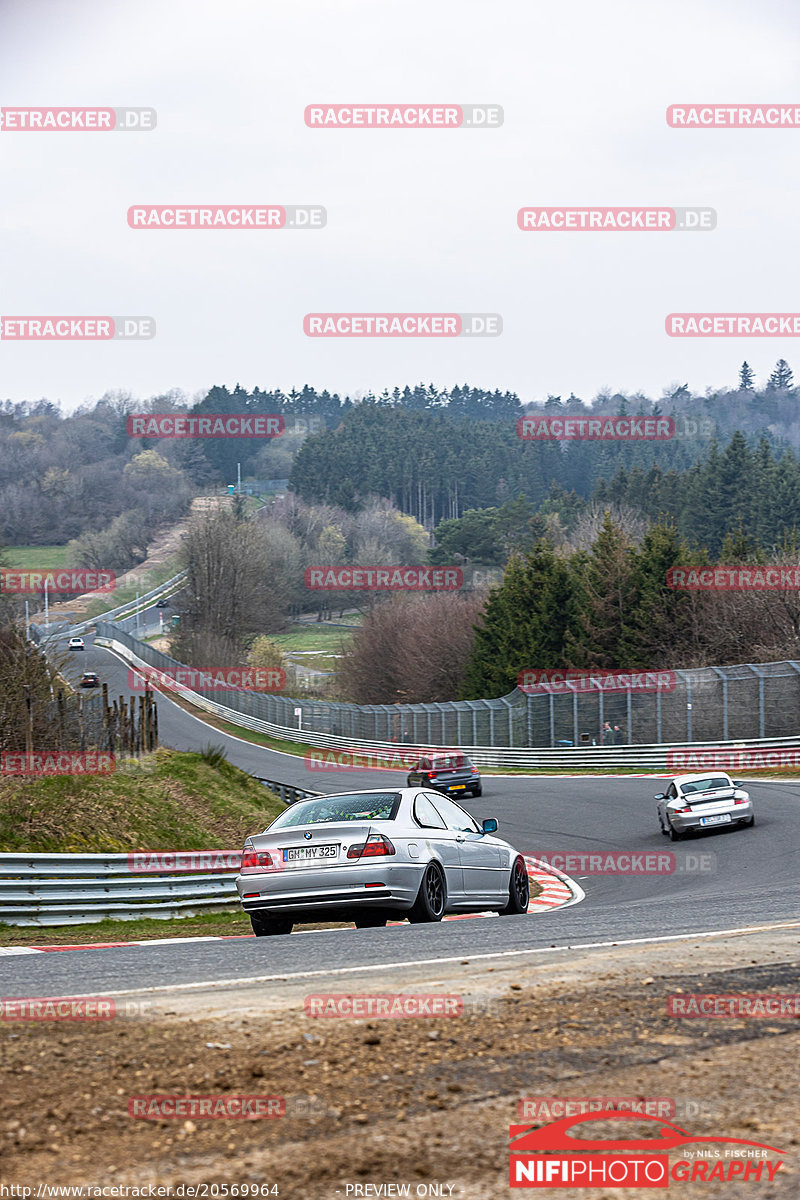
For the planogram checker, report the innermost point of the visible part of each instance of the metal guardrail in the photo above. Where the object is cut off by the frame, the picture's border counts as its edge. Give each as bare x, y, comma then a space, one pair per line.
288, 793
77, 889
653, 757
167, 588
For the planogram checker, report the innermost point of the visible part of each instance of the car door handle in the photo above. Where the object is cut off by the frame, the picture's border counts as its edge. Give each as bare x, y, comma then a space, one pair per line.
460, 839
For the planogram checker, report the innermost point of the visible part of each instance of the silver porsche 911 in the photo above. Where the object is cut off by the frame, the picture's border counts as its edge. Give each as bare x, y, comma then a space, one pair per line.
694, 803
373, 856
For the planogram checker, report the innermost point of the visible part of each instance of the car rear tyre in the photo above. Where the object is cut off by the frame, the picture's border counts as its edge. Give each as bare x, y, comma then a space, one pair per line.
370, 920
264, 926
749, 824
674, 836
519, 890
430, 901
478, 791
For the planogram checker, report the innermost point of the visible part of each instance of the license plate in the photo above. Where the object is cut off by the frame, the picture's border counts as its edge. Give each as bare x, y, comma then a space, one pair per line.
303, 853
458, 787
722, 819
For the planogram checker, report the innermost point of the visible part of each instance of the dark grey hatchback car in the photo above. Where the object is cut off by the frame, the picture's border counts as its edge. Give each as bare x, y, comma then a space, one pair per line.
451, 774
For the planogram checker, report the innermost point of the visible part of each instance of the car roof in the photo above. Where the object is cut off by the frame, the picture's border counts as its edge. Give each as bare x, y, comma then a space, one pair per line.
705, 775
356, 791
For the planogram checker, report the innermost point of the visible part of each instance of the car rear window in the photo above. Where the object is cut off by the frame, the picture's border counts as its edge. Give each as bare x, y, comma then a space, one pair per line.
451, 762
358, 806
705, 785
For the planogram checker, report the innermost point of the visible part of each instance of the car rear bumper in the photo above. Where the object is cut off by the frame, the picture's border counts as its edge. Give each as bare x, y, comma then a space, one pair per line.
301, 889
691, 823
456, 787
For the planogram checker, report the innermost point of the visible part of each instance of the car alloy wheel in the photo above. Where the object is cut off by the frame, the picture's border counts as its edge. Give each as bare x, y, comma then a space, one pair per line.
519, 890
430, 901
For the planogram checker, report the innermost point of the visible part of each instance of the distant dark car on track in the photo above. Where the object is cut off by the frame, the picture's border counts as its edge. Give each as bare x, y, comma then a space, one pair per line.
162, 603
89, 679
446, 773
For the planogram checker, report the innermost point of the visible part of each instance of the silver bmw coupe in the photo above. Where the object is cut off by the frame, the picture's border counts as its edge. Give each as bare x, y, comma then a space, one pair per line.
370, 857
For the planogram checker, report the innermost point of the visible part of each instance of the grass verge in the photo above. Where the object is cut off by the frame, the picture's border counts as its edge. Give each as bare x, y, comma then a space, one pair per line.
222, 924
174, 801
308, 638
29, 558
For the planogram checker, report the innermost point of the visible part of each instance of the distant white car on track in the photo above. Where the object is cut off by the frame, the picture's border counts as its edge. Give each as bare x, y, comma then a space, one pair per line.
374, 856
76, 643
695, 803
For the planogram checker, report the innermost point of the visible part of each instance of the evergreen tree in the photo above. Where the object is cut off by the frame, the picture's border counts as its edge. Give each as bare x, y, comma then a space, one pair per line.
782, 378
660, 624
523, 626
746, 377
602, 601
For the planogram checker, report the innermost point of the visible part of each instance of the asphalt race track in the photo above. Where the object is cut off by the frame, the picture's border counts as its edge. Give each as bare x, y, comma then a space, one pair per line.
753, 881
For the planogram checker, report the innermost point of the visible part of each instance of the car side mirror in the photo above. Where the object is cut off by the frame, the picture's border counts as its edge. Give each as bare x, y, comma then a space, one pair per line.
660, 796
489, 825
737, 782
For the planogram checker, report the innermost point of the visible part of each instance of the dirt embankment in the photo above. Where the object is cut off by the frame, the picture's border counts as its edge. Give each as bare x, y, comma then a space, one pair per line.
409, 1102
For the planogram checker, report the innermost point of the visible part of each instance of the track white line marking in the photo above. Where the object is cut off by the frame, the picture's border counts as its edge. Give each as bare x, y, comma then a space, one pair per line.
426, 962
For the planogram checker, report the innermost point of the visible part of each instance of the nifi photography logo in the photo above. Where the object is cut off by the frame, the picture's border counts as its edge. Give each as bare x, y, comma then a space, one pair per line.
553, 1156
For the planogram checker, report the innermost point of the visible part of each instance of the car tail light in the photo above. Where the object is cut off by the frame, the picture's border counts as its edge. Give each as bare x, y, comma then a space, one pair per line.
254, 860
740, 801
376, 846
682, 810
431, 774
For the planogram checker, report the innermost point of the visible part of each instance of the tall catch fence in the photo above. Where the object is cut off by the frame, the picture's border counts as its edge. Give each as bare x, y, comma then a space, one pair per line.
737, 703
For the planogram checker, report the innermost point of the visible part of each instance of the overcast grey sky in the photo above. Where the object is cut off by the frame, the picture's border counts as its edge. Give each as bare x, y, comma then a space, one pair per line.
417, 220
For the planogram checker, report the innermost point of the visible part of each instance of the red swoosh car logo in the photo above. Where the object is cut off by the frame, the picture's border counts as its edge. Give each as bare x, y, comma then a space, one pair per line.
556, 1136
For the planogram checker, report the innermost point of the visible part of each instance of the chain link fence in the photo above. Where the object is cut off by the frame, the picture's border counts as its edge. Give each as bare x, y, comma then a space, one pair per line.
746, 702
